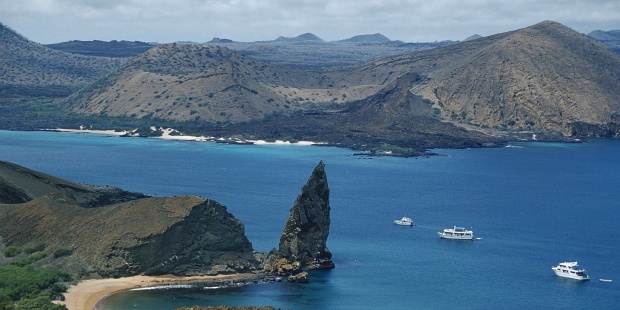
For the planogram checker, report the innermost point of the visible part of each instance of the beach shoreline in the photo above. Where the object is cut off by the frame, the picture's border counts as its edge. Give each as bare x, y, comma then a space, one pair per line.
91, 293
168, 134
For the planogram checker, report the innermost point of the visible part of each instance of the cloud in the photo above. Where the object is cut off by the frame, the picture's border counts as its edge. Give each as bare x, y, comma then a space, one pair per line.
49, 21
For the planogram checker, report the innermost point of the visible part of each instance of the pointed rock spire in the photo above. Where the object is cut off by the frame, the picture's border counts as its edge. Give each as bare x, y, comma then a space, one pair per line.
307, 228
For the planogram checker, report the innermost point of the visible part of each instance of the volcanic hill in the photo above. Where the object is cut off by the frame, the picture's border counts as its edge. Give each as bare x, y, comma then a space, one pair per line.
29, 69
546, 77
108, 232
188, 82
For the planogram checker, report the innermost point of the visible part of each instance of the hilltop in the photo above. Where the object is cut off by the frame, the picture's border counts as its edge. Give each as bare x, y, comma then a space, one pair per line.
189, 82
610, 38
30, 69
546, 77
307, 51
306, 37
118, 49
367, 38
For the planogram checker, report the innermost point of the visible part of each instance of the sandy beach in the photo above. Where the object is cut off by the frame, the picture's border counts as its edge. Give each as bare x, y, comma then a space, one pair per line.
87, 293
168, 134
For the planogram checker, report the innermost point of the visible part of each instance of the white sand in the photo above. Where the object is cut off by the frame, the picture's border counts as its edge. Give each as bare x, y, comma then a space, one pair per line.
86, 294
167, 135
102, 132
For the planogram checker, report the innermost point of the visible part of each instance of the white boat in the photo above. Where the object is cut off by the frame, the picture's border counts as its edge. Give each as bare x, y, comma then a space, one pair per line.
605, 280
405, 221
570, 270
458, 233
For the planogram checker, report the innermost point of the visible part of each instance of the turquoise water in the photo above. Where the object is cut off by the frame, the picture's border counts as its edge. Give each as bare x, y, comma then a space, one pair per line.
534, 205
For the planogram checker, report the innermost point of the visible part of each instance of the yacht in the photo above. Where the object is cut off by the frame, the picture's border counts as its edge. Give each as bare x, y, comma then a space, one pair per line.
458, 233
570, 270
405, 221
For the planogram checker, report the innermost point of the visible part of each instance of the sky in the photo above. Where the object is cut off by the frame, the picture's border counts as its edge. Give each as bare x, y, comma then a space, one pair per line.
164, 21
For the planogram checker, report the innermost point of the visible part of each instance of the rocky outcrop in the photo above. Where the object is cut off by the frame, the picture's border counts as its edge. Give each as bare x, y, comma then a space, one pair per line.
172, 235
185, 235
303, 241
301, 277
134, 234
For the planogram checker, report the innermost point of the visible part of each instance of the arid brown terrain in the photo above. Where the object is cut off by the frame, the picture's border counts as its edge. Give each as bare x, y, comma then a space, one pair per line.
545, 81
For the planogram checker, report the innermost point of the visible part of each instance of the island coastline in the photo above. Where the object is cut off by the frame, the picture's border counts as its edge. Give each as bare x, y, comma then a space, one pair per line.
92, 293
167, 135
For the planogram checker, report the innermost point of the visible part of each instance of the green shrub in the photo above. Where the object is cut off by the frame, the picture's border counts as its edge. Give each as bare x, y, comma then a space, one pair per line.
12, 251
33, 287
40, 302
29, 259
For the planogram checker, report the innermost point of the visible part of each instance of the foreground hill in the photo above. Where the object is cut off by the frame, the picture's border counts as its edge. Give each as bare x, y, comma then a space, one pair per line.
123, 234
30, 69
128, 234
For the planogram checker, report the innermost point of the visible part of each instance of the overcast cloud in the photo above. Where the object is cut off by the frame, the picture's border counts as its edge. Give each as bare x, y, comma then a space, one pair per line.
52, 21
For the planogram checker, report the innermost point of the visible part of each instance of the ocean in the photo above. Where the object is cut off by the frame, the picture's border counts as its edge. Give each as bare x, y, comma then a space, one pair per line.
533, 205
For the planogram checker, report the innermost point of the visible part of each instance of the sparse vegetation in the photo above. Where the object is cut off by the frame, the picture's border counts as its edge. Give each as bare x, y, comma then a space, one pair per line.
12, 251
26, 287
31, 258
37, 71
264, 99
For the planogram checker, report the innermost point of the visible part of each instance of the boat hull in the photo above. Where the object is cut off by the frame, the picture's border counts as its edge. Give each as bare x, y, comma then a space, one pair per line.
568, 275
455, 237
403, 223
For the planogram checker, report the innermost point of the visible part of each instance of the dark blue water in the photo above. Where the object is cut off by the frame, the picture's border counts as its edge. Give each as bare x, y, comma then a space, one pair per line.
533, 205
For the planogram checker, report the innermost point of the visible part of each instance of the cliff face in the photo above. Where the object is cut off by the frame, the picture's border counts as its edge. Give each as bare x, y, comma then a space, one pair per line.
108, 232
185, 235
304, 239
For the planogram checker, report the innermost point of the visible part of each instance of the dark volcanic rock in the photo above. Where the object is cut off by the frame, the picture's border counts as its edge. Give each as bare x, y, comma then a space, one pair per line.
19, 185
128, 234
165, 235
307, 228
185, 235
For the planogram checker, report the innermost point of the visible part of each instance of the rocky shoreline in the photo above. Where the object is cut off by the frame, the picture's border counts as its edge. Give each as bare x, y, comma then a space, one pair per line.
193, 238
405, 138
